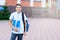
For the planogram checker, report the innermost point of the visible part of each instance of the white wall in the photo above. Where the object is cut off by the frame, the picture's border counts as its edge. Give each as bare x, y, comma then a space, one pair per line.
2, 2
50, 3
18, 1
31, 3
43, 3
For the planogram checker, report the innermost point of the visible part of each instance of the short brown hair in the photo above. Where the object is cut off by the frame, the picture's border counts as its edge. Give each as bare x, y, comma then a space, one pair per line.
18, 5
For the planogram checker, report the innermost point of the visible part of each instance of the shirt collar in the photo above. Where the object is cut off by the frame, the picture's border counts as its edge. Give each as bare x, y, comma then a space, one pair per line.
19, 12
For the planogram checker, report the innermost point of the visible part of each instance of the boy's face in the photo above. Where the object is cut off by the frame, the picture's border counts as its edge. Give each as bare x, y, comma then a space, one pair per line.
18, 8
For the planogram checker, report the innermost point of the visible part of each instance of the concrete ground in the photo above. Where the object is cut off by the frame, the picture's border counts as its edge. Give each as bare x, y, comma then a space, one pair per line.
40, 29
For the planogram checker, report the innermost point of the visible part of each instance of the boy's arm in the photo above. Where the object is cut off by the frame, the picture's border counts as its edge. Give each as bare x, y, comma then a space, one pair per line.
25, 29
25, 25
10, 24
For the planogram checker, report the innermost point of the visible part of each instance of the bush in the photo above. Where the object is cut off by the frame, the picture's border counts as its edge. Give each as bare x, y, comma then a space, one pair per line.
4, 14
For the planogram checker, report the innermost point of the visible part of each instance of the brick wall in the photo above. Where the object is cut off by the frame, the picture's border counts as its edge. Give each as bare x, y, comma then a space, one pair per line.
11, 2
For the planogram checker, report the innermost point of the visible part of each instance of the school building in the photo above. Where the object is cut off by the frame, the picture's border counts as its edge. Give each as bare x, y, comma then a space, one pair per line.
32, 8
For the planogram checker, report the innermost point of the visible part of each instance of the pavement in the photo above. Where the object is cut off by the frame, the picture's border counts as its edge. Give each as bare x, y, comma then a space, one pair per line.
40, 29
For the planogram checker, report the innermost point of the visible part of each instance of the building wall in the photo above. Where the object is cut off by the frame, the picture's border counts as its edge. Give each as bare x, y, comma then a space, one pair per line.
26, 6
33, 8
11, 2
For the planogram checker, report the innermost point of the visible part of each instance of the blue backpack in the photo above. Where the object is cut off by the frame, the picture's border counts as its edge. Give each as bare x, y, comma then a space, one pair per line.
27, 25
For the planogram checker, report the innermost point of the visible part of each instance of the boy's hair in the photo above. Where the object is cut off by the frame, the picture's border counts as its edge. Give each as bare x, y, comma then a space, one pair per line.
18, 5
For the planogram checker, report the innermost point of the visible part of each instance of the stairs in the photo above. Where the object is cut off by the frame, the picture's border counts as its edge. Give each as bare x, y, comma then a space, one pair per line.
44, 13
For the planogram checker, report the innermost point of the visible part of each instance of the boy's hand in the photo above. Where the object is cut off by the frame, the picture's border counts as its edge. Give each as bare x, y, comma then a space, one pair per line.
25, 33
15, 29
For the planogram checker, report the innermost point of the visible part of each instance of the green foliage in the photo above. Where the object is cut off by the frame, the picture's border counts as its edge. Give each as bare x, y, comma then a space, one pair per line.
4, 14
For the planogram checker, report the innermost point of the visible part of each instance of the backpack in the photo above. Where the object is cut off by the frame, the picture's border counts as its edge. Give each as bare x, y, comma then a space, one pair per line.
27, 25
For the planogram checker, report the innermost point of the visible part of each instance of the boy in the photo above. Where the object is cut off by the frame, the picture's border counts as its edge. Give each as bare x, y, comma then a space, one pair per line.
16, 23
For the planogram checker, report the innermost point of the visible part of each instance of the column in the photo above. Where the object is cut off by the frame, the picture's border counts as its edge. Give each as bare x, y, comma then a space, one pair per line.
2, 2
31, 3
43, 3
18, 1
49, 3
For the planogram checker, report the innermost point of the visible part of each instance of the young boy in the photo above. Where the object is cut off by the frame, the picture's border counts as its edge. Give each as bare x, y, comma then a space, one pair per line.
16, 23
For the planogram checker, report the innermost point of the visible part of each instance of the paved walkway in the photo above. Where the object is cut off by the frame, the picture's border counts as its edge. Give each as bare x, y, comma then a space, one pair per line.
40, 29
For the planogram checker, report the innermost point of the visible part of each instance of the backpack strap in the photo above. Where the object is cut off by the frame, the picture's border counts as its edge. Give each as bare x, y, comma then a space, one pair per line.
23, 21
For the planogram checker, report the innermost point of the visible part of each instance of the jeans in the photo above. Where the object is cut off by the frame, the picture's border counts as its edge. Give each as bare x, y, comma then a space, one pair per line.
19, 36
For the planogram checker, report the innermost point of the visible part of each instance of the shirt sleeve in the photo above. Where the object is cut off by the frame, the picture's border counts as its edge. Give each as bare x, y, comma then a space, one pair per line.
25, 18
11, 16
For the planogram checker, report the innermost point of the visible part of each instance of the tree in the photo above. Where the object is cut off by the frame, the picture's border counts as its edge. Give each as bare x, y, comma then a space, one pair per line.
4, 14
